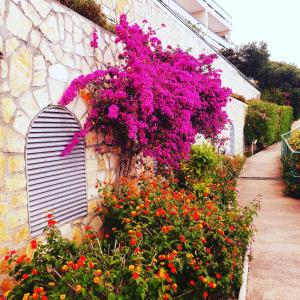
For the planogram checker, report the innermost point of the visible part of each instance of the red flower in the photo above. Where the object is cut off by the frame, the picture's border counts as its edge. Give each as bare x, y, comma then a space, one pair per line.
33, 244
133, 242
135, 275
34, 271
182, 238
21, 259
44, 297
51, 223
173, 270
25, 276
13, 252
166, 296
179, 247
218, 276
7, 257
88, 227
50, 216
205, 295
192, 283
91, 265
146, 212
139, 234
137, 250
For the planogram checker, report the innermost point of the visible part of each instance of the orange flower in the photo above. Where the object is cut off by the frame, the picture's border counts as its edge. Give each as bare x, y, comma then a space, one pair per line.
166, 296
96, 280
91, 265
78, 288
35, 296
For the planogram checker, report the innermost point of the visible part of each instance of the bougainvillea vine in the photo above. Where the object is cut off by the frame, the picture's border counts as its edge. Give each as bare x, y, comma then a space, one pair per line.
154, 102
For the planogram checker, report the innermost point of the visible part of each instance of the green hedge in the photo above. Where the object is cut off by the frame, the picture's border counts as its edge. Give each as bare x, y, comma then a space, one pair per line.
265, 122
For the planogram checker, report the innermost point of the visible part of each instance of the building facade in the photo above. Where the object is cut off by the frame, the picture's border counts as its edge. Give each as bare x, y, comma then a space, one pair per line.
45, 46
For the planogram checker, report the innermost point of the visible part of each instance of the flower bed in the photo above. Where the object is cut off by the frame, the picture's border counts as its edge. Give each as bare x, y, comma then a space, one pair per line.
158, 242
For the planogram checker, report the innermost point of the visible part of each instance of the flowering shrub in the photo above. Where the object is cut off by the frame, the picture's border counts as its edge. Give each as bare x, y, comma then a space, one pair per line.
154, 102
291, 165
159, 242
211, 175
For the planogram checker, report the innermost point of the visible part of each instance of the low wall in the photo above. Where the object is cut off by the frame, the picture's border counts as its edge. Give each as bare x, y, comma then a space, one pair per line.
45, 46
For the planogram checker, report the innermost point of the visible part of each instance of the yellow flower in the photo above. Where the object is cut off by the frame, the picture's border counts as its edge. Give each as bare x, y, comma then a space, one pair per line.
51, 284
78, 288
98, 272
139, 269
64, 268
161, 273
96, 280
189, 255
131, 267
26, 296
6, 293
138, 208
62, 296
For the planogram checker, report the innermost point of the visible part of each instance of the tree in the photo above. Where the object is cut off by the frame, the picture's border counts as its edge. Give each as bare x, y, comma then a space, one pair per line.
251, 59
154, 103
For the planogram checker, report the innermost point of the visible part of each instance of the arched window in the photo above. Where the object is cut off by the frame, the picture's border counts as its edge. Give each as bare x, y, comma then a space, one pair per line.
55, 184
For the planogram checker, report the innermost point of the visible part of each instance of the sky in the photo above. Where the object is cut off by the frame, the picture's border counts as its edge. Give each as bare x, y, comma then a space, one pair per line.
273, 21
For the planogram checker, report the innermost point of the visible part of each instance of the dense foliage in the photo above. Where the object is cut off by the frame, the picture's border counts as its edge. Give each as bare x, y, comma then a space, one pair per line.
160, 242
265, 122
279, 81
91, 10
155, 102
291, 165
211, 175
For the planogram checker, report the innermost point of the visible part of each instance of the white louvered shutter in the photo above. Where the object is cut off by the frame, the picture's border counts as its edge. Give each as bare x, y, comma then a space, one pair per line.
55, 184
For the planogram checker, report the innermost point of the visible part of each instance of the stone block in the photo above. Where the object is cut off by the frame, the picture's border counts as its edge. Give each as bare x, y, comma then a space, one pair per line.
39, 78
35, 38
79, 109
42, 97
3, 68
17, 218
17, 23
58, 53
15, 182
2, 166
68, 24
28, 103
18, 199
2, 7
42, 7
21, 123
3, 209
68, 60
21, 234
39, 63
57, 89
20, 71
61, 27
11, 45
4, 236
16, 163
46, 51
15, 142
8, 108
31, 13
58, 72
91, 165
50, 29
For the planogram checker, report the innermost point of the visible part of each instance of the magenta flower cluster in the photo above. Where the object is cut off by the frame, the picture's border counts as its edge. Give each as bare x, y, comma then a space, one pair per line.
156, 100
94, 40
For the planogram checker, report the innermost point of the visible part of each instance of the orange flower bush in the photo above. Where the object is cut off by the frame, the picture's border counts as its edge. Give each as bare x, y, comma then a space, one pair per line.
158, 242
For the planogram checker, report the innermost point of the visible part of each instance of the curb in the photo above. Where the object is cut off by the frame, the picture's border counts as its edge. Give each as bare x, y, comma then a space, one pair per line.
243, 289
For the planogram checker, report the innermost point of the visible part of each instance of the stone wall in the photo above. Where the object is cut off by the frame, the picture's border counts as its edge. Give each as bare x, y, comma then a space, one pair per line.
45, 46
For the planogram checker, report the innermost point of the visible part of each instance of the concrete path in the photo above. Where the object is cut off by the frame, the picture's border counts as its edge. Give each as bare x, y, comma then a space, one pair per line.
274, 271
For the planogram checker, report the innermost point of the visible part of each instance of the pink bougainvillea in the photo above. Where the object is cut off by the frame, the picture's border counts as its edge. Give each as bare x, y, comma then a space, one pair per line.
156, 100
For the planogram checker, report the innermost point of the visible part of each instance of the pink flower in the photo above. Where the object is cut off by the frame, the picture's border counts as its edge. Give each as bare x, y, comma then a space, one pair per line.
113, 111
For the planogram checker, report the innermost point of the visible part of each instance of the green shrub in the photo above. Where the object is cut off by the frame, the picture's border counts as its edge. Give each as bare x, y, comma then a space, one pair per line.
160, 242
265, 122
90, 10
211, 175
291, 166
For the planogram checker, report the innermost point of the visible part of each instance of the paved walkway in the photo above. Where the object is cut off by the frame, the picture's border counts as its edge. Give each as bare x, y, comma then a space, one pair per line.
274, 271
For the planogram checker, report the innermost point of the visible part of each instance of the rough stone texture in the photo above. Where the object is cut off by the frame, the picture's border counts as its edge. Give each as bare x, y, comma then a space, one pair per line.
42, 97
10, 45
29, 105
20, 71
17, 23
58, 72
31, 13
21, 122
50, 29
274, 271
42, 7
8, 108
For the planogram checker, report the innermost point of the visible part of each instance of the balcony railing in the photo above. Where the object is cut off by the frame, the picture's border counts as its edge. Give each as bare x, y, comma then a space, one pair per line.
219, 10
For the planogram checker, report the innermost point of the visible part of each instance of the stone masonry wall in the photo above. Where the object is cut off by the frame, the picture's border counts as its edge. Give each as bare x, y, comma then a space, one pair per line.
45, 46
